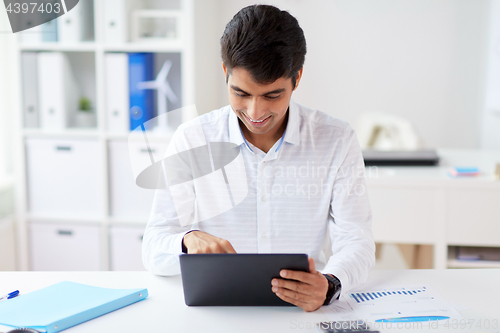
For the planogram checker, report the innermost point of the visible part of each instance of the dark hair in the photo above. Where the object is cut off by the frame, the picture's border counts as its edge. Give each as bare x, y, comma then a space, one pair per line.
265, 41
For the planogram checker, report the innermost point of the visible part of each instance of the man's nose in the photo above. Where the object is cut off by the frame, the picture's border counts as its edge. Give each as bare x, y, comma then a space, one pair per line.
255, 109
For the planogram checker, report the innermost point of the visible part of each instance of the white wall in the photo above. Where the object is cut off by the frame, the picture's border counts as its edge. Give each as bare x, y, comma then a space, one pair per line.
490, 133
420, 59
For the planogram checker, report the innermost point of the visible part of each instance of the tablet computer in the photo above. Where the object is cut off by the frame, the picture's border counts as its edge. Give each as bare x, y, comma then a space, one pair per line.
235, 279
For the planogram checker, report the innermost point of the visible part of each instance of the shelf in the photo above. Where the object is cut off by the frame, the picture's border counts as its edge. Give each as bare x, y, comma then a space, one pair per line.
68, 133
454, 263
145, 47
63, 219
60, 47
128, 222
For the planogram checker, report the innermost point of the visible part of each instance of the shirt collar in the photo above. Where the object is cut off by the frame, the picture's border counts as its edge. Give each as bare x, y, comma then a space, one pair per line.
291, 134
235, 133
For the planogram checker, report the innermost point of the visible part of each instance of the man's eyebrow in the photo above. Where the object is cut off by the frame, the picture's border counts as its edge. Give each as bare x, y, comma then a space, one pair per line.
276, 91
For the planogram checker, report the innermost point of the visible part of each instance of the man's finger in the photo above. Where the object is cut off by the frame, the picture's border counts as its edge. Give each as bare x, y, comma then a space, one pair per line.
299, 297
298, 276
299, 287
226, 246
304, 305
312, 265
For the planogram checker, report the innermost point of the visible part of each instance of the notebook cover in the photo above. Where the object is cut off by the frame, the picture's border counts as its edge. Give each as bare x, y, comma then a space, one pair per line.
65, 304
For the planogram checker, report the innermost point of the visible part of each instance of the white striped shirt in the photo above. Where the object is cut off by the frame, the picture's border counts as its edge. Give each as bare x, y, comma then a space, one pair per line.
306, 195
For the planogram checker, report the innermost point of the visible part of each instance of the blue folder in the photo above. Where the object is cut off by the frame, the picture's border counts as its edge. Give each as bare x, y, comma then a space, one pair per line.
65, 304
142, 103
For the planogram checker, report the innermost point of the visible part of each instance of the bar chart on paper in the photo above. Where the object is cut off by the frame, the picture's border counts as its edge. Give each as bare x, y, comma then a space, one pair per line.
403, 303
369, 296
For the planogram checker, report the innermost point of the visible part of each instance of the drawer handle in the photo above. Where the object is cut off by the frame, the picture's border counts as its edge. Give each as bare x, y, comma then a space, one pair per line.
148, 151
65, 232
65, 148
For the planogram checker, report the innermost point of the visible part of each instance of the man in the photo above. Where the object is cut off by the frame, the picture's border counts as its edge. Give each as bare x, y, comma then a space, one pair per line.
303, 168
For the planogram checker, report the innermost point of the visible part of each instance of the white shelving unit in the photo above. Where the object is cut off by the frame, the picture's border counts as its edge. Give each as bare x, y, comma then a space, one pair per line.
424, 205
31, 224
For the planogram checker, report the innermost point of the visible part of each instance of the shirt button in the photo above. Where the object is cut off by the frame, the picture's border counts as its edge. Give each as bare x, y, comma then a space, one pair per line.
264, 235
263, 198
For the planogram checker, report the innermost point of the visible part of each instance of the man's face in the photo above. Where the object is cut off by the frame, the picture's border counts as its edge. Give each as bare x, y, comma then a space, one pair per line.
261, 107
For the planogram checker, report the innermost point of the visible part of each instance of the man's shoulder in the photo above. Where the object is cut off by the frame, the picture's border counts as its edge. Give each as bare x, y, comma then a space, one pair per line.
318, 120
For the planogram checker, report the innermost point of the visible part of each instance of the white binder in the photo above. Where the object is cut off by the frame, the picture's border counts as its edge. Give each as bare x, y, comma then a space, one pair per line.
57, 90
31, 36
117, 92
116, 21
77, 24
30, 89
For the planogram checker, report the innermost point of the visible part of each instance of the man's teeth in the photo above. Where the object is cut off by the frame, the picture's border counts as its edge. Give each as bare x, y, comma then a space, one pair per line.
256, 121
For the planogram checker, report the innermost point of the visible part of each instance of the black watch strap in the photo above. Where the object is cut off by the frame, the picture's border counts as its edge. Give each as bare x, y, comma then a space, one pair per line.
334, 288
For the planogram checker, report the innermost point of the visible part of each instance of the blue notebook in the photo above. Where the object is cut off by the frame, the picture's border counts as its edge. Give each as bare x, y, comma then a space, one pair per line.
65, 304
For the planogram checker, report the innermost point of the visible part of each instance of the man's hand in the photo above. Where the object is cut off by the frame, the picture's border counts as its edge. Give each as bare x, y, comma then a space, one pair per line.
308, 291
201, 242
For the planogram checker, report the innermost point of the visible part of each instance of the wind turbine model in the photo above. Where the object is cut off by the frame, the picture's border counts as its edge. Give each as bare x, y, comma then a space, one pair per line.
164, 90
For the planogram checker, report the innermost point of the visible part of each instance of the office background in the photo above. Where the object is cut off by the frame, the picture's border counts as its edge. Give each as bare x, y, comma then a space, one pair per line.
431, 63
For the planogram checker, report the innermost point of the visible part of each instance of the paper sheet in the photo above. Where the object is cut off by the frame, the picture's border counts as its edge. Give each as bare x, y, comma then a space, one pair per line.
391, 302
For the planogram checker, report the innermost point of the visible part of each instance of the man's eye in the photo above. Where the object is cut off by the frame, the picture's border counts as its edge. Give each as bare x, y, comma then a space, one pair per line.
273, 97
239, 95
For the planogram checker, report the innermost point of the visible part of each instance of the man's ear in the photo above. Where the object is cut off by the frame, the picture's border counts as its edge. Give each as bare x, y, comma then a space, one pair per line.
226, 75
297, 79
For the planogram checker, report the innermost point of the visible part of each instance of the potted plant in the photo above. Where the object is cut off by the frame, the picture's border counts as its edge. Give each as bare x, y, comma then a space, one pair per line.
85, 117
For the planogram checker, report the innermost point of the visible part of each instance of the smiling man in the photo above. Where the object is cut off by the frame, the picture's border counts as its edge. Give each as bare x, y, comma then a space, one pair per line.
304, 170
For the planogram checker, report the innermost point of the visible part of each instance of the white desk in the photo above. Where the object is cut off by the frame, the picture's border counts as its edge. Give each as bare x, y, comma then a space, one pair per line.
423, 205
165, 311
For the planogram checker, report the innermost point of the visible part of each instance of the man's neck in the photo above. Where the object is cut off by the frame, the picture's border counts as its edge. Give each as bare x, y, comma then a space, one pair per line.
267, 140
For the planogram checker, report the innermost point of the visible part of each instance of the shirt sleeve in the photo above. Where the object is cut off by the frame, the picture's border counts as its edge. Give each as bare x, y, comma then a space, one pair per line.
350, 220
162, 241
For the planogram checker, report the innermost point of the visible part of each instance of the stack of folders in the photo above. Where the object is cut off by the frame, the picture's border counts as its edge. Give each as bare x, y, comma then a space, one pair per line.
63, 305
76, 25
51, 90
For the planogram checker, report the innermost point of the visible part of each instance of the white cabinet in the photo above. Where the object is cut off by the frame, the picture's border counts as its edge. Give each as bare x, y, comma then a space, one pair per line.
64, 247
127, 200
126, 248
7, 245
424, 205
64, 177
474, 217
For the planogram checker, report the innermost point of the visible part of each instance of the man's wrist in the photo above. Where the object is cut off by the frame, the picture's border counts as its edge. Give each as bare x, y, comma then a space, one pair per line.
184, 249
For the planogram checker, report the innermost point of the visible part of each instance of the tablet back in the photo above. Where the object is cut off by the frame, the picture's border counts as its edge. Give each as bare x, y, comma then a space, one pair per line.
235, 279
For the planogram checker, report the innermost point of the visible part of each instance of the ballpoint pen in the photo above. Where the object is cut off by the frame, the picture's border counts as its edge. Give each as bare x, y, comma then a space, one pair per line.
9, 295
411, 319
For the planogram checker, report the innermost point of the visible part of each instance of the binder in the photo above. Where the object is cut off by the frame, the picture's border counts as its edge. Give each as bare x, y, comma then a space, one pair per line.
31, 36
116, 20
57, 90
30, 89
142, 104
49, 29
117, 92
77, 24
65, 304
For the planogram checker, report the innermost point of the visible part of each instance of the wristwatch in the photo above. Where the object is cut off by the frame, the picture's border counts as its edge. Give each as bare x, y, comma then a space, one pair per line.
334, 288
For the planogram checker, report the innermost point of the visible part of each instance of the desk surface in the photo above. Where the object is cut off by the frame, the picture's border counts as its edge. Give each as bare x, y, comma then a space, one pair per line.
485, 160
165, 311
